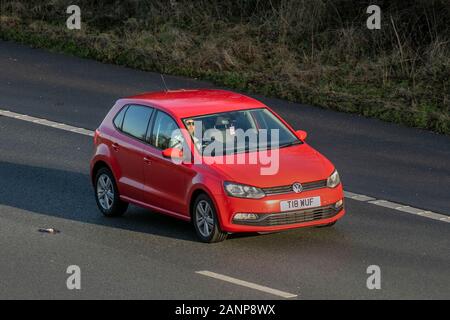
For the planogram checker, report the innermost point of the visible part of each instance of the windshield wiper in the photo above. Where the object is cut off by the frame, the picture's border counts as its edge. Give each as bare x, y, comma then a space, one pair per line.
293, 143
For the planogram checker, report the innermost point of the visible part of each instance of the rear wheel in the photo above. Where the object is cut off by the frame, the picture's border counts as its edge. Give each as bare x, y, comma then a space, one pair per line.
107, 194
205, 220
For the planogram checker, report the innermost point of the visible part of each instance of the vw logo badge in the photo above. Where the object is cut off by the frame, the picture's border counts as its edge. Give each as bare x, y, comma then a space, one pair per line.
297, 187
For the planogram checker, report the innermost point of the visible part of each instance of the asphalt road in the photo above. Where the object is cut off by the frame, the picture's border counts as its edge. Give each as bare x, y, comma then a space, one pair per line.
44, 182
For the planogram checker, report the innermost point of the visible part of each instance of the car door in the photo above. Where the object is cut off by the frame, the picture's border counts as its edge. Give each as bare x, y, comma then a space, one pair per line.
128, 151
166, 183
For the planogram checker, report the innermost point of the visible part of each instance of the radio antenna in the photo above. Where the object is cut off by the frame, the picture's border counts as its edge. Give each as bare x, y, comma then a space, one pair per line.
164, 82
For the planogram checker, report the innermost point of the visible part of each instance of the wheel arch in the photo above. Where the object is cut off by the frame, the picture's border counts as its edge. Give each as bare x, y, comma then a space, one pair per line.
96, 167
195, 193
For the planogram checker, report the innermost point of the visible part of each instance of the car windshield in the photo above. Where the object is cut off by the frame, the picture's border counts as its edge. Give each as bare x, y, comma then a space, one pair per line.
239, 131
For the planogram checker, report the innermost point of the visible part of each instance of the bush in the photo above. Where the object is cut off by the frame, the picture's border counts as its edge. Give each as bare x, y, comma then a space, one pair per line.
311, 51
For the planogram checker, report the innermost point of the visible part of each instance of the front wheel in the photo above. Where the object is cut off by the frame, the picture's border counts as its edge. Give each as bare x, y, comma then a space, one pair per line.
206, 222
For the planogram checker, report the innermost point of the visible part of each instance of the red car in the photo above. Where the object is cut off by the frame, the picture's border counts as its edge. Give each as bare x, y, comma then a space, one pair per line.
155, 150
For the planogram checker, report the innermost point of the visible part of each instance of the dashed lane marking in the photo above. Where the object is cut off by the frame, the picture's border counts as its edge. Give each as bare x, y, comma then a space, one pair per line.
45, 122
247, 284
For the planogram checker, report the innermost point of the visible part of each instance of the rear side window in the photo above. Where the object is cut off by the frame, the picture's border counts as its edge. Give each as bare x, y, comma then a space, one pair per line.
136, 121
118, 120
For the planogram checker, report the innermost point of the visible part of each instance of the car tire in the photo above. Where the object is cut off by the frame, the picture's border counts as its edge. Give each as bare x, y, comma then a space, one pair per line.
205, 220
107, 194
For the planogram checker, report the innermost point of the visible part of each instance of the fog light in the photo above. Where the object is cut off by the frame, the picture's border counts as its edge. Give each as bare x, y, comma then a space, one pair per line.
338, 204
245, 216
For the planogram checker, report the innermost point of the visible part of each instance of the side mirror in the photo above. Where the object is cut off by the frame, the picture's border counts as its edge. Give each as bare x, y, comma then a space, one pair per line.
301, 134
173, 153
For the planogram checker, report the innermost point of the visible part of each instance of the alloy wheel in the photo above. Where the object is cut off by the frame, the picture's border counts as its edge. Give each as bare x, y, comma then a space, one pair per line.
204, 218
105, 192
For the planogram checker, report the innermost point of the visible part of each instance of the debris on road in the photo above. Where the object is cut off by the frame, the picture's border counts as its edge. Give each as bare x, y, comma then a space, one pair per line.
50, 230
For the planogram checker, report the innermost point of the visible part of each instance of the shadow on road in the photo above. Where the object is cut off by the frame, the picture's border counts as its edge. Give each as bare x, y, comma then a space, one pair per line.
69, 195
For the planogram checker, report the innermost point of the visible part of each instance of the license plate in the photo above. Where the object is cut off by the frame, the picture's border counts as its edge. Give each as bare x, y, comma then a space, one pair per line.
303, 203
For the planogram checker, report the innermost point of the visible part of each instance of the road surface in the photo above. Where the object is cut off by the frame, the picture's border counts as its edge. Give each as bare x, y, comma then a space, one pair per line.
44, 183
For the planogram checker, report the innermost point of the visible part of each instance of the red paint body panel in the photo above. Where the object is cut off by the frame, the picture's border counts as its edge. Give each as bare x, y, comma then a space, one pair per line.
188, 103
159, 184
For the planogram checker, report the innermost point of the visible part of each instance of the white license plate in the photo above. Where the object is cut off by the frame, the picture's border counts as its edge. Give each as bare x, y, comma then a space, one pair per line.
303, 203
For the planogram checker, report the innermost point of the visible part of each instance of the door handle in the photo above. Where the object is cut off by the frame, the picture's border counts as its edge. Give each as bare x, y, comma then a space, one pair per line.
147, 160
115, 146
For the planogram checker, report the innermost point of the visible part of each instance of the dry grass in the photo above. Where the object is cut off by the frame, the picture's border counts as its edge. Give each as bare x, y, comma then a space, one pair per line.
311, 51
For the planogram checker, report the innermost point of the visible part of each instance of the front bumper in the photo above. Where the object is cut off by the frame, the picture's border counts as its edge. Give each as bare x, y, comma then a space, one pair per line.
291, 217
268, 211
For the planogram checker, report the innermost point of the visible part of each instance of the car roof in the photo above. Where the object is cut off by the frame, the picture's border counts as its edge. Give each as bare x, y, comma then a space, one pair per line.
188, 103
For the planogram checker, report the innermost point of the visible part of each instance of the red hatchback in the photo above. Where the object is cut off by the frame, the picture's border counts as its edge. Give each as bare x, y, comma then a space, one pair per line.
221, 160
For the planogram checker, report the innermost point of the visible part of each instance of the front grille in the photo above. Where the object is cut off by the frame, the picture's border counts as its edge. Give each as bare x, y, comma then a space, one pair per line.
292, 217
307, 186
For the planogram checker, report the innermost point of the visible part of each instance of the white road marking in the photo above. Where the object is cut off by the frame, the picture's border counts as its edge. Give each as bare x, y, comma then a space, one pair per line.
350, 195
358, 197
397, 206
46, 122
247, 284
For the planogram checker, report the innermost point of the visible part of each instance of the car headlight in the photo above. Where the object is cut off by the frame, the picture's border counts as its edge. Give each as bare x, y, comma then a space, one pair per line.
243, 191
333, 180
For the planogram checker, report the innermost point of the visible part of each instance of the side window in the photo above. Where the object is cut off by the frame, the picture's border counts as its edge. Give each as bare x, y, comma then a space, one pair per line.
164, 135
119, 118
136, 121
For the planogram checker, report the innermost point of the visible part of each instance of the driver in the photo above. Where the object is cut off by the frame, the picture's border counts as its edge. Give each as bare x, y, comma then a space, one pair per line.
190, 123
177, 140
